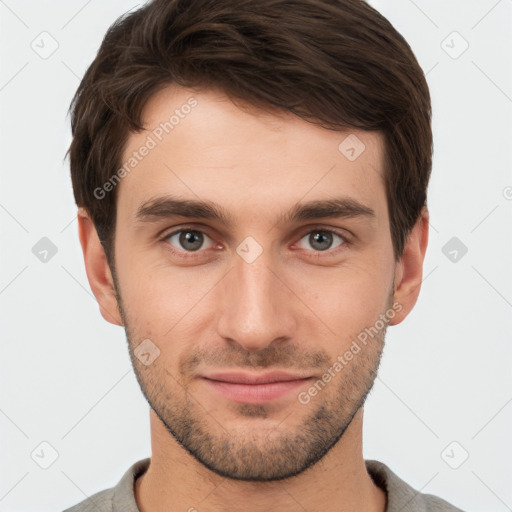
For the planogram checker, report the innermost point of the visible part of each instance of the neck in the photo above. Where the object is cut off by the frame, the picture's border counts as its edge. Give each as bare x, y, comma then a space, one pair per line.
339, 482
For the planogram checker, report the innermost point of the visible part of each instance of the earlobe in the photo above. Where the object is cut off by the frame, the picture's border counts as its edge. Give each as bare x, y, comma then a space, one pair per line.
98, 269
409, 269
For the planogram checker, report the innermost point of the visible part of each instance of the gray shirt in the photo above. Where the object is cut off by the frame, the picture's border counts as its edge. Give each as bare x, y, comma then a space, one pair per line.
401, 496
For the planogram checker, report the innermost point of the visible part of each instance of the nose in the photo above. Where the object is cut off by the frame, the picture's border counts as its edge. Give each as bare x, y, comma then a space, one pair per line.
256, 305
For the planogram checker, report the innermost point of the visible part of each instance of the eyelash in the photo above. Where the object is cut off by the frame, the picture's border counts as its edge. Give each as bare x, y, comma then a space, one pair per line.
198, 254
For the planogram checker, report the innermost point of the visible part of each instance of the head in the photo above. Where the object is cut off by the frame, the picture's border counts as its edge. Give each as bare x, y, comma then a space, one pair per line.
252, 184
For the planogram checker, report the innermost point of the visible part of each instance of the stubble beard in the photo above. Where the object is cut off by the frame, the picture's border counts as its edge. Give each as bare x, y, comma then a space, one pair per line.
259, 455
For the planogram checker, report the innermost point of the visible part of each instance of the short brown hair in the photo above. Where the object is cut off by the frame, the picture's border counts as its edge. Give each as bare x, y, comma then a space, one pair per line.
337, 63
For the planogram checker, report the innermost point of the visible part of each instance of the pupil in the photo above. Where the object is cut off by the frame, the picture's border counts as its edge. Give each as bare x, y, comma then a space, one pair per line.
191, 237
319, 238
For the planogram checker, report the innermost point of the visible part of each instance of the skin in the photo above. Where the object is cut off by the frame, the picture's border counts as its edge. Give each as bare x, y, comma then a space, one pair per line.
294, 308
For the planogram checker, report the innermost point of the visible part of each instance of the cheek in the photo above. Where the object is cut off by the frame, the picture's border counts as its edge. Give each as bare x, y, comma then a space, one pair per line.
161, 301
353, 297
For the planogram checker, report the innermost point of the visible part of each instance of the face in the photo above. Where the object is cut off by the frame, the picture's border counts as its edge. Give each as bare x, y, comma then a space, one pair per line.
254, 272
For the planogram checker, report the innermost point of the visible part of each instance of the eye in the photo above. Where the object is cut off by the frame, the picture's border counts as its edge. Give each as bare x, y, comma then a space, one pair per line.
322, 240
188, 240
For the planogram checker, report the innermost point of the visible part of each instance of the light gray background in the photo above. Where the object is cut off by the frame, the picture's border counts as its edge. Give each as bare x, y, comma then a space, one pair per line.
66, 377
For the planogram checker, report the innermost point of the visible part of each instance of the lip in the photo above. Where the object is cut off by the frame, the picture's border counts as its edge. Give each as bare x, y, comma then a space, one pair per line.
256, 389
250, 378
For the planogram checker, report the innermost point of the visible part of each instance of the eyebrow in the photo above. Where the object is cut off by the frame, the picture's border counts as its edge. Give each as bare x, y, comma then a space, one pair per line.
168, 206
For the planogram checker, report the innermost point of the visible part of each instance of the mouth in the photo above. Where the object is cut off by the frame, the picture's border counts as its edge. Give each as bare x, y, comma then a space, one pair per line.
254, 388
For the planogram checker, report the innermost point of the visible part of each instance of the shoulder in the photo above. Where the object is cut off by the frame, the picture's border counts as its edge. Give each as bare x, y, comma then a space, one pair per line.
99, 502
403, 497
121, 497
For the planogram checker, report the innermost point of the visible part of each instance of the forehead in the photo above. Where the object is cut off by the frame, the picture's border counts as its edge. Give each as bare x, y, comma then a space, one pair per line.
199, 144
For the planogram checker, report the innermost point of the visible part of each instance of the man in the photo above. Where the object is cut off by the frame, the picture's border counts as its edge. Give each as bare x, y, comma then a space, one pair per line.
251, 180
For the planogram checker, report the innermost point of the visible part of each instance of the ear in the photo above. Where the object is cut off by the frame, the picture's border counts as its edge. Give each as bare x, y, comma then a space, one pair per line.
409, 269
98, 270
